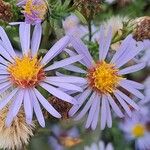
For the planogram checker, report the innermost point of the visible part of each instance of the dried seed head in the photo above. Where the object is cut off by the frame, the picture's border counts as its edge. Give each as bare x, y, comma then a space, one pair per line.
89, 8
142, 28
18, 134
61, 106
5, 11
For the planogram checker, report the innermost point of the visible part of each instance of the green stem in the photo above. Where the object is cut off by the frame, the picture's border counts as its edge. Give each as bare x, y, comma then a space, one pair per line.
90, 30
46, 34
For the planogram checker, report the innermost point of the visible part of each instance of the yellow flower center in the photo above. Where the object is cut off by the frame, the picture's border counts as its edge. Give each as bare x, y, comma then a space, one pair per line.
28, 7
69, 142
26, 71
103, 77
39, 8
138, 130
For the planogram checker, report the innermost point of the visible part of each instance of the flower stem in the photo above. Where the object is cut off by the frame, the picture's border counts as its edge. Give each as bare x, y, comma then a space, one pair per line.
90, 30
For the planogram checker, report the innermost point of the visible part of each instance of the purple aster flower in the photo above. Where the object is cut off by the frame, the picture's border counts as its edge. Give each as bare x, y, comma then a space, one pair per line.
62, 139
106, 81
137, 129
100, 146
144, 56
34, 10
73, 26
146, 91
28, 72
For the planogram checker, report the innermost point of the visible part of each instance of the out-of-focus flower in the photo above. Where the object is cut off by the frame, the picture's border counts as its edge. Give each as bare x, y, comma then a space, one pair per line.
100, 146
72, 26
64, 139
135, 128
116, 22
142, 28
105, 78
28, 72
147, 90
33, 10
5, 11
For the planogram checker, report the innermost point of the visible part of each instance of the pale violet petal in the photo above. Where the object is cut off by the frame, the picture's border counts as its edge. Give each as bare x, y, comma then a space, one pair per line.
64, 62
46, 104
36, 39
56, 49
58, 93
24, 33
37, 109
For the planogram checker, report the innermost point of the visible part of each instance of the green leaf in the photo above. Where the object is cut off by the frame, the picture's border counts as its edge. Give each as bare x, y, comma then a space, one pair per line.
80, 16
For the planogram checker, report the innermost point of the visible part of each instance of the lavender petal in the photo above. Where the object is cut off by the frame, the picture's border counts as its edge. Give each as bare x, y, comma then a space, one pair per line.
67, 86
103, 112
7, 43
46, 104
96, 116
56, 49
36, 39
128, 100
132, 69
92, 111
4, 102
86, 107
24, 32
64, 62
37, 109
59, 94
132, 90
123, 104
28, 107
81, 99
67, 79
114, 106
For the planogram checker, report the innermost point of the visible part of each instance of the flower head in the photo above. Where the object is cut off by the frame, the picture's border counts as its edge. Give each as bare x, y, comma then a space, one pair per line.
64, 138
142, 28
33, 10
72, 25
105, 81
135, 128
28, 72
5, 11
100, 146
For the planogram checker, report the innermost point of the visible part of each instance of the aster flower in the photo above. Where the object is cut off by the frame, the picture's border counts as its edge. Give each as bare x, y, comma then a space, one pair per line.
146, 90
136, 129
117, 24
33, 10
106, 81
28, 72
144, 56
62, 139
72, 25
100, 146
